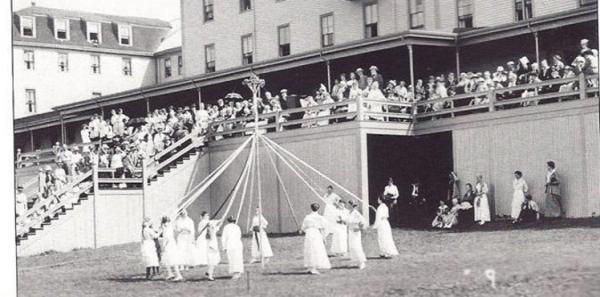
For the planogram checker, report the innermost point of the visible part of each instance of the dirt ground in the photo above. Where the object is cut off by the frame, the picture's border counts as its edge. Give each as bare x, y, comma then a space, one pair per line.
556, 258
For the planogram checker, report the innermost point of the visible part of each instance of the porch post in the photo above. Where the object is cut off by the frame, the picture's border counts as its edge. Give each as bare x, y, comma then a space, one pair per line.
31, 140
411, 63
63, 137
537, 47
147, 105
328, 76
457, 61
199, 90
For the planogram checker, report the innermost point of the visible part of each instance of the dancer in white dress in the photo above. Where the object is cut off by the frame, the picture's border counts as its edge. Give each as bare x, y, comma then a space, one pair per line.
260, 240
200, 258
170, 253
356, 223
184, 230
519, 188
482, 206
148, 249
315, 255
387, 247
213, 256
231, 240
339, 241
330, 211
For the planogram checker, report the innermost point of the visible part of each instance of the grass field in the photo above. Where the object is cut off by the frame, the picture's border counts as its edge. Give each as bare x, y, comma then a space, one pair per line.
557, 258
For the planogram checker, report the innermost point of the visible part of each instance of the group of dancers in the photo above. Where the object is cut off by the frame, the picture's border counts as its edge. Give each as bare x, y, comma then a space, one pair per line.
173, 247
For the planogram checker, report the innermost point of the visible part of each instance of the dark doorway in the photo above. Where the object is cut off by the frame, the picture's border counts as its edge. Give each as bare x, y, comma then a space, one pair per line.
425, 159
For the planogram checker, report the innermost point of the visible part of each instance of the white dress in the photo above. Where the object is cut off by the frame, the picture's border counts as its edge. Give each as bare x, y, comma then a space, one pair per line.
315, 255
339, 242
262, 240
231, 240
148, 247
355, 223
482, 206
201, 244
170, 253
184, 228
213, 256
330, 212
519, 187
384, 231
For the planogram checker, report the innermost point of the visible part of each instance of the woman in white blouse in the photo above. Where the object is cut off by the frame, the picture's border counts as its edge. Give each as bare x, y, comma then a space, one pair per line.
519, 190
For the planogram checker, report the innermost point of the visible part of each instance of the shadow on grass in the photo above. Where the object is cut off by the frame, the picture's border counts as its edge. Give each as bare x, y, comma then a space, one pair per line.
297, 272
506, 225
141, 278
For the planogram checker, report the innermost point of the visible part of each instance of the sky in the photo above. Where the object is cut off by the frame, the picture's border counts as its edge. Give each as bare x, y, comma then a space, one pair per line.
167, 10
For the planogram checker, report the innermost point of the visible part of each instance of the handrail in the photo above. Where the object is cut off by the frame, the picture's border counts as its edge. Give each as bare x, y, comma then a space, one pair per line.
318, 119
153, 171
536, 98
523, 87
170, 148
389, 103
453, 98
39, 152
317, 107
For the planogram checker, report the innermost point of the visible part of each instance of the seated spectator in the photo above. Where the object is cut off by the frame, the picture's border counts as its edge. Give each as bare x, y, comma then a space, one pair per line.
442, 210
530, 211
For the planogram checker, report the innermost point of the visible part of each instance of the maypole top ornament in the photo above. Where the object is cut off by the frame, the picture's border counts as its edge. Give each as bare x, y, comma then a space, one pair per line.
254, 83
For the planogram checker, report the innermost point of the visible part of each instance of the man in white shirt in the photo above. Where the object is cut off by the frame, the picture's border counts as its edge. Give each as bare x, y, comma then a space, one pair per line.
391, 192
85, 134
21, 202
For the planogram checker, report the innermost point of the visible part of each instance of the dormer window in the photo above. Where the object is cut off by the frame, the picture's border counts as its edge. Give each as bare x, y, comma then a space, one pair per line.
61, 29
124, 35
27, 26
94, 32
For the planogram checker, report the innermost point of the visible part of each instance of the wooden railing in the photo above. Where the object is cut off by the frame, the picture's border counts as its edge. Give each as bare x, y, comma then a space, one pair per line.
45, 156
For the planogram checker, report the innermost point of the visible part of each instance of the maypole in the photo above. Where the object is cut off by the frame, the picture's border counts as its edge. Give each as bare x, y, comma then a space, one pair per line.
254, 83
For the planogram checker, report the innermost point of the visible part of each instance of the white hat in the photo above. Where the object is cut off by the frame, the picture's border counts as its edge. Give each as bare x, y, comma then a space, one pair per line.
584, 41
359, 69
283, 91
374, 68
500, 69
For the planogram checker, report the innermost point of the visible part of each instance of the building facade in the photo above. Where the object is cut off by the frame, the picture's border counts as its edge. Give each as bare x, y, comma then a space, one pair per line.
219, 35
63, 56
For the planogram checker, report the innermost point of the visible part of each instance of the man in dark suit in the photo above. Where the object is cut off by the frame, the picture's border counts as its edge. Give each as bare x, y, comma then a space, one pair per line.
553, 206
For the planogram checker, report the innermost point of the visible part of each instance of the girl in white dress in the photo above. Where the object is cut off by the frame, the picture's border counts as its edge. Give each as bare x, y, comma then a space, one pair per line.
170, 253
387, 247
260, 240
315, 255
148, 249
519, 188
213, 256
201, 242
482, 206
356, 223
231, 240
184, 228
339, 240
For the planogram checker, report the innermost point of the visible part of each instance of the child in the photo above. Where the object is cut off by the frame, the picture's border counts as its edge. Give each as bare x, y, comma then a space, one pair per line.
530, 212
438, 221
148, 249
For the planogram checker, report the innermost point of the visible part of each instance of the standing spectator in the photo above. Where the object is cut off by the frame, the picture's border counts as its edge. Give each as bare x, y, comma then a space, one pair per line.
116, 162
553, 205
482, 206
76, 161
21, 202
520, 189
94, 127
376, 76
362, 79
41, 181
85, 134
60, 176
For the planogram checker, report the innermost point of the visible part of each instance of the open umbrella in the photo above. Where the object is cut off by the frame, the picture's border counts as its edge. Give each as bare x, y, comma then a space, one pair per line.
234, 96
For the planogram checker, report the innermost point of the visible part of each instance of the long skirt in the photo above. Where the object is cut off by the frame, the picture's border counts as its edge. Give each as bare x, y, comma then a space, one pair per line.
200, 254
170, 255
213, 256
517, 201
482, 212
187, 249
262, 244
385, 239
553, 206
339, 241
356, 252
315, 255
235, 258
149, 255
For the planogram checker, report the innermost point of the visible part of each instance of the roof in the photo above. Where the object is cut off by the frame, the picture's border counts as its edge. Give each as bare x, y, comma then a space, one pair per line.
147, 33
91, 16
171, 41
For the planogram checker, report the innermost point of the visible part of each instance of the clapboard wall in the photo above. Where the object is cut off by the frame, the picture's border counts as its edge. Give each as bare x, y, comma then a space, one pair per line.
497, 144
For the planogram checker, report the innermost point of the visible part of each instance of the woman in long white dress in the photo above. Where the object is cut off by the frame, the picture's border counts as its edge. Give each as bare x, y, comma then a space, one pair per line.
482, 206
376, 100
184, 230
387, 247
356, 223
519, 190
213, 255
231, 240
148, 249
260, 240
339, 240
315, 254
170, 253
201, 241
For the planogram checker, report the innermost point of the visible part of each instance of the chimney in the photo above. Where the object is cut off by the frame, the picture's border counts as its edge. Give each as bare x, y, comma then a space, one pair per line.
32, 3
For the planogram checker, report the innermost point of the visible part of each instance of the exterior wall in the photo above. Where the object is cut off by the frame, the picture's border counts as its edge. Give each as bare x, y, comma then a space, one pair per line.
160, 67
501, 147
119, 217
492, 13
53, 87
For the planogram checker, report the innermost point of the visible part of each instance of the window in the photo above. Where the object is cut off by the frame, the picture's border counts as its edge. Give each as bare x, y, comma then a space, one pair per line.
127, 70
327, 30
465, 13
371, 19
61, 29
209, 56
284, 40
179, 65
417, 14
96, 94
124, 35
27, 26
30, 100
167, 67
95, 64
209, 10
523, 14
63, 62
94, 32
247, 49
29, 58
245, 5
